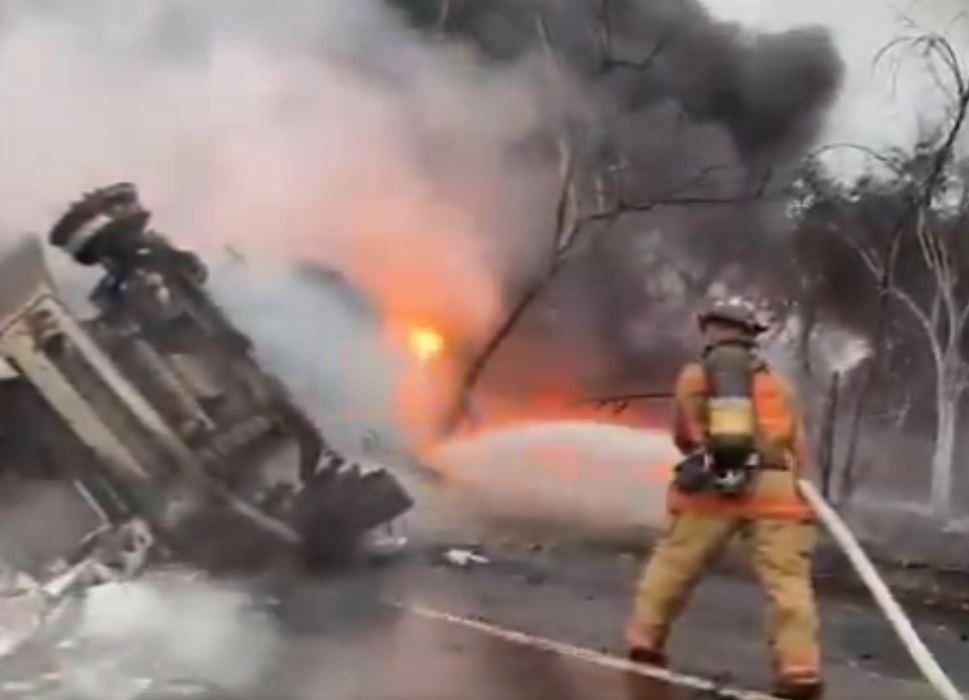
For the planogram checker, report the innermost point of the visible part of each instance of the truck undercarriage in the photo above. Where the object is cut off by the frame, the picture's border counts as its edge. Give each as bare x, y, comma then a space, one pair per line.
155, 410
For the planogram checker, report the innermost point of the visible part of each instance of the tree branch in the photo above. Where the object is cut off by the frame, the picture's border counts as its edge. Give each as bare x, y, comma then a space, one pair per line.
444, 15
865, 150
942, 156
621, 402
566, 227
648, 205
921, 316
963, 318
935, 345
565, 219
609, 60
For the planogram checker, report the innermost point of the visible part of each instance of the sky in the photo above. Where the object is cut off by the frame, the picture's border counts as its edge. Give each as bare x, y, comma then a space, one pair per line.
882, 103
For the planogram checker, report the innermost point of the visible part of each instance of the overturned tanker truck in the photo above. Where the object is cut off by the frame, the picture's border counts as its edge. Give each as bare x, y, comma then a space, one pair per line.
156, 409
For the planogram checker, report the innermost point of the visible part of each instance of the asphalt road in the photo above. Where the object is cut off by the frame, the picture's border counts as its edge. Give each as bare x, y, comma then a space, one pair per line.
580, 596
348, 636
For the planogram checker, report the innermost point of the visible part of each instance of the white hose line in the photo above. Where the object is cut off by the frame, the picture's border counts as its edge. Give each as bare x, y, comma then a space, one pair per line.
920, 654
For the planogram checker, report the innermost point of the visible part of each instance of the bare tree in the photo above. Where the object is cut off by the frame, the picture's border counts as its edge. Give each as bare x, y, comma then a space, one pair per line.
941, 317
570, 226
591, 199
566, 228
953, 79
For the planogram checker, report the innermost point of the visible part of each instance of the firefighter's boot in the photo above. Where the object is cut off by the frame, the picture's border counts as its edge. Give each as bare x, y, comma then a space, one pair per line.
650, 657
793, 689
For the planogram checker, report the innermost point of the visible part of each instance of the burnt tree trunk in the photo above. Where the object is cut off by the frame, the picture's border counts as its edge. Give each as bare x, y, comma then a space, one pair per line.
828, 436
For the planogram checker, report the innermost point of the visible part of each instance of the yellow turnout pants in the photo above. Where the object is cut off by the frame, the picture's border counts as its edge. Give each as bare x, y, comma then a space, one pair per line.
781, 553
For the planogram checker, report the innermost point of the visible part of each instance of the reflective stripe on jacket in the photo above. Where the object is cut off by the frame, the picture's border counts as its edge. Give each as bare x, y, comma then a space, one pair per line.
781, 440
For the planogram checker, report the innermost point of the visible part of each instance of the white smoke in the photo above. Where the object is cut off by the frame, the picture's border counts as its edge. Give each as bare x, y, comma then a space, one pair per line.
342, 369
292, 132
129, 638
296, 131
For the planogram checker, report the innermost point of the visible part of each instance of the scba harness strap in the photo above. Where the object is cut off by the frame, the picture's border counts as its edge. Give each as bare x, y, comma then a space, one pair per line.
733, 453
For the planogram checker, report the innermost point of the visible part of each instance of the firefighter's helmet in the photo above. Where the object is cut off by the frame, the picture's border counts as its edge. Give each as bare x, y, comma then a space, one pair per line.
735, 311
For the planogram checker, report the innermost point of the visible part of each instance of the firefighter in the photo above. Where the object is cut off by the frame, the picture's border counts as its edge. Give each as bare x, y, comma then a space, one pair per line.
742, 434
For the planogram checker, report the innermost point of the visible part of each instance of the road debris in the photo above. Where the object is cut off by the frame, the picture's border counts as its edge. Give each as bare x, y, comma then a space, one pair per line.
464, 558
107, 555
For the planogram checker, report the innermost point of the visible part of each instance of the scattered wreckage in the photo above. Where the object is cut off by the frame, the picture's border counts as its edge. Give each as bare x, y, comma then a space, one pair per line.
157, 413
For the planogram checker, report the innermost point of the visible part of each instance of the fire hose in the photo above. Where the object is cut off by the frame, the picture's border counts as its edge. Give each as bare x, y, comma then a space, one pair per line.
899, 621
863, 566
